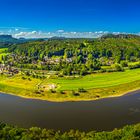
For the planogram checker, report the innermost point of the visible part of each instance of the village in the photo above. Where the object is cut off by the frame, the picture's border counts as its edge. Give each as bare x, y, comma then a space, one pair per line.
8, 70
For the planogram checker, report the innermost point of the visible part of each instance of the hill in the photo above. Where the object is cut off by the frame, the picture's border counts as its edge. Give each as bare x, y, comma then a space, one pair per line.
122, 36
7, 39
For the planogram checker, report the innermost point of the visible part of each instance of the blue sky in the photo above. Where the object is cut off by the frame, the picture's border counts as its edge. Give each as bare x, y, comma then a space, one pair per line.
33, 18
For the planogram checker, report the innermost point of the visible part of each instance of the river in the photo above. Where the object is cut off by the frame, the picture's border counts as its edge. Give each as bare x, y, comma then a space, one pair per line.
105, 114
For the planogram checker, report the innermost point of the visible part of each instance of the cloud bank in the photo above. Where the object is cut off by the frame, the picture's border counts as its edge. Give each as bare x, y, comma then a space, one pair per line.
20, 32
59, 33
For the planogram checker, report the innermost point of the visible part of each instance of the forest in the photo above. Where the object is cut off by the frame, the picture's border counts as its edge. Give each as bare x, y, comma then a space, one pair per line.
76, 56
8, 132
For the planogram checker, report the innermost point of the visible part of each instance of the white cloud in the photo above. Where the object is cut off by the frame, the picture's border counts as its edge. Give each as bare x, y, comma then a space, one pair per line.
60, 31
31, 34
16, 29
19, 32
34, 32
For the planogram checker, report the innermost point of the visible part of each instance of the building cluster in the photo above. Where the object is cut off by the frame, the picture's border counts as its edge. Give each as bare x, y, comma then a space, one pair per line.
7, 69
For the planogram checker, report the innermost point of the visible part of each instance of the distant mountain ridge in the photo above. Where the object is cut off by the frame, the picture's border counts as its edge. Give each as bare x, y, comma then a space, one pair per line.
10, 39
126, 36
7, 39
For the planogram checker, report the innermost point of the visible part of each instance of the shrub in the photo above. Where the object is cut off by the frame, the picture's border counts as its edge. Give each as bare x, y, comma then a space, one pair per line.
62, 92
81, 90
118, 67
23, 78
52, 91
29, 79
110, 70
76, 94
102, 71
37, 92
124, 64
134, 66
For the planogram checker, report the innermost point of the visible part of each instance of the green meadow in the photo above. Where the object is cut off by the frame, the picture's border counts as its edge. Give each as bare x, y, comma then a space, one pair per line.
2, 50
96, 86
97, 80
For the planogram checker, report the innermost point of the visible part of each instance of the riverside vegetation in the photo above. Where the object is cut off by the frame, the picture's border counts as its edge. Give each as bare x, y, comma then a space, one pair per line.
14, 133
71, 69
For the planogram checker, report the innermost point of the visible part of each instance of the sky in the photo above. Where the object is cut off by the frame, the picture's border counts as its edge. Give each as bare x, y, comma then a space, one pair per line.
69, 18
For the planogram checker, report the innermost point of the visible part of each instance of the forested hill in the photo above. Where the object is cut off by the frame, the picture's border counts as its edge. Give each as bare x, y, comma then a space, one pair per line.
118, 47
74, 55
8, 40
125, 36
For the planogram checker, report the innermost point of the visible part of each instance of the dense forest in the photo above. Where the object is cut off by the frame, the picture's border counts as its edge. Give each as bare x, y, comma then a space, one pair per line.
14, 133
76, 56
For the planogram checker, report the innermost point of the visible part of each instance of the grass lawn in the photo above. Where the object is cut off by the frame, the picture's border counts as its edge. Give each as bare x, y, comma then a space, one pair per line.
97, 80
18, 86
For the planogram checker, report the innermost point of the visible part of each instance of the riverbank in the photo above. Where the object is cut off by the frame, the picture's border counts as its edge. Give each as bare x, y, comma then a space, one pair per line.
87, 88
89, 95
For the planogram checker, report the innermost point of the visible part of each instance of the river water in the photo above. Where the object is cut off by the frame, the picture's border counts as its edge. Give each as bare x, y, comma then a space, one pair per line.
104, 114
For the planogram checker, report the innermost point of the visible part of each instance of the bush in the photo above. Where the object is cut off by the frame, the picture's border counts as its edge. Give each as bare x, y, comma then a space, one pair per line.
81, 90
110, 70
29, 79
102, 71
134, 66
97, 96
52, 91
124, 64
37, 92
60, 75
76, 94
23, 78
118, 67
62, 92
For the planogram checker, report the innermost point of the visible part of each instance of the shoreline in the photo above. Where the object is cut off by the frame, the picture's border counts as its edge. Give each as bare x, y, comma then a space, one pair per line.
98, 87
72, 100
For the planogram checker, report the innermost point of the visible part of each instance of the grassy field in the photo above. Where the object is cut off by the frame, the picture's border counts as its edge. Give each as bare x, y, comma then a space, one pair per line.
18, 86
3, 52
97, 80
96, 85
